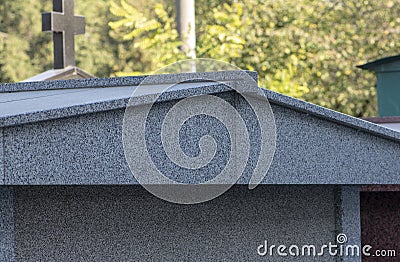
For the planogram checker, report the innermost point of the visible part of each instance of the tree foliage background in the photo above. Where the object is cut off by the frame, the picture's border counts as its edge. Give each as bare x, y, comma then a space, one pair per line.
303, 48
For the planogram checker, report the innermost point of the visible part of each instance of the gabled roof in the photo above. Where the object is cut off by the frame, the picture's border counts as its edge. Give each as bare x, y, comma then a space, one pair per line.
37, 101
374, 64
392, 122
70, 132
70, 72
383, 119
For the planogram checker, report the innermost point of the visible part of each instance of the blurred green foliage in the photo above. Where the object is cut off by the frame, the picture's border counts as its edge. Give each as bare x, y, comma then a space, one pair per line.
303, 48
155, 39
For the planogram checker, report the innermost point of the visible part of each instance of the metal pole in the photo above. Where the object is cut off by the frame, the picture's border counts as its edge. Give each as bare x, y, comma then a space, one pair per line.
185, 11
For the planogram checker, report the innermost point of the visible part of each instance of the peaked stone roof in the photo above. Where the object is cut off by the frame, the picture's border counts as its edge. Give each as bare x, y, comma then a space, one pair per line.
383, 61
70, 132
68, 73
37, 101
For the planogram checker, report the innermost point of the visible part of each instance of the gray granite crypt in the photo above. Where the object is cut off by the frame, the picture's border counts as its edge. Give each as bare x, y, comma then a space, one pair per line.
67, 193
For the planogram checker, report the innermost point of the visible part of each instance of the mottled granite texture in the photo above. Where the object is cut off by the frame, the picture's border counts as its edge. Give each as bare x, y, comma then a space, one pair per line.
313, 150
380, 221
190, 134
126, 223
201, 87
79, 150
6, 224
2, 174
331, 115
88, 149
348, 218
117, 81
70, 133
27, 107
73, 135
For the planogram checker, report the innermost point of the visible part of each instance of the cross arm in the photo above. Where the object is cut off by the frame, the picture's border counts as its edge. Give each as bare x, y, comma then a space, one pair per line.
79, 25
53, 22
58, 22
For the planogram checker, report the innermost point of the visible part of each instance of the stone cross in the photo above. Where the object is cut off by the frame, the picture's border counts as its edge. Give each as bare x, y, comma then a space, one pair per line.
64, 26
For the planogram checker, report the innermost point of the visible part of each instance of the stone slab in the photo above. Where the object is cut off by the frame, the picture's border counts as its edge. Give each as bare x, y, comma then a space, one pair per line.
312, 150
88, 149
331, 115
79, 150
6, 224
119, 81
2, 173
349, 220
125, 223
33, 106
87, 103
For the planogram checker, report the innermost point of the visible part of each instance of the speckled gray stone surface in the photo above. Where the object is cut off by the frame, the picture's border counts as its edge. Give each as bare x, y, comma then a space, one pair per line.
88, 149
348, 218
126, 223
27, 107
315, 151
70, 133
73, 136
80, 150
196, 89
6, 224
331, 115
190, 134
2, 174
118, 81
